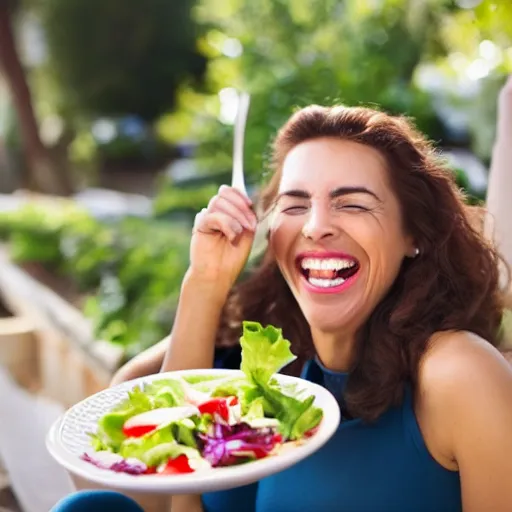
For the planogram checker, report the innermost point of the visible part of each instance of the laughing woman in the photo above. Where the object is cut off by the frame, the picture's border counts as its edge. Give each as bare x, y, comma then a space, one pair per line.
390, 296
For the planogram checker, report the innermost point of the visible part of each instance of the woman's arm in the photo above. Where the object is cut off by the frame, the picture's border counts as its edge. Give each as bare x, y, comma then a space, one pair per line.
220, 245
192, 342
499, 192
146, 363
467, 385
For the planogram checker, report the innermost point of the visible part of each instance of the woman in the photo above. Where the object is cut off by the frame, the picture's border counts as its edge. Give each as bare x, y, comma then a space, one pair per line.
390, 296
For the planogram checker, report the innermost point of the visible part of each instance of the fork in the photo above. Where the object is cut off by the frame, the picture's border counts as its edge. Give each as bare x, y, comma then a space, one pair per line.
237, 179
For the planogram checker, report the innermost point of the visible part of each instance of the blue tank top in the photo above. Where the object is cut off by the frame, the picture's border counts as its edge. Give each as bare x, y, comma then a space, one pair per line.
380, 467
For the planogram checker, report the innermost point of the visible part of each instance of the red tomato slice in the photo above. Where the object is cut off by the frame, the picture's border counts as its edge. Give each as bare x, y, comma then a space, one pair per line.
138, 431
311, 433
176, 466
278, 438
219, 405
259, 453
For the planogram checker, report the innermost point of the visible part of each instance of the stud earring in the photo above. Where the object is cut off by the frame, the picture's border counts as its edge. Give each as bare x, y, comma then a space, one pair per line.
416, 252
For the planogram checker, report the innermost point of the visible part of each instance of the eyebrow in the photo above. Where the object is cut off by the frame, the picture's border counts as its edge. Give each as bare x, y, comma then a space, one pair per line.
337, 192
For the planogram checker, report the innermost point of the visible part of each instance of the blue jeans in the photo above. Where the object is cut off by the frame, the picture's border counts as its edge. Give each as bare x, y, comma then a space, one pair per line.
96, 501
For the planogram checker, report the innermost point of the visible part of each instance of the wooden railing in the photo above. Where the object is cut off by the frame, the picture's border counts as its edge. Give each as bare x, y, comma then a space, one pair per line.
69, 364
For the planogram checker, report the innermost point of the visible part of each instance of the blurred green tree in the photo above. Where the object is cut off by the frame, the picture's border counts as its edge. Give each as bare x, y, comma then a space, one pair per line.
43, 170
314, 51
118, 57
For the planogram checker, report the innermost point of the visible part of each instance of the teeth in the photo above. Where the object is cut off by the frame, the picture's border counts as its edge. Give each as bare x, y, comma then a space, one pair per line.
326, 283
326, 263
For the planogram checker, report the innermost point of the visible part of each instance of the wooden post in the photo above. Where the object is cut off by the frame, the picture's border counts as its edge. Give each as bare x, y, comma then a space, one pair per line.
18, 351
72, 364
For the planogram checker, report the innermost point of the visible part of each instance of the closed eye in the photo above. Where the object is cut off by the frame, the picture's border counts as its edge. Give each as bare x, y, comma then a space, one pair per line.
295, 210
355, 207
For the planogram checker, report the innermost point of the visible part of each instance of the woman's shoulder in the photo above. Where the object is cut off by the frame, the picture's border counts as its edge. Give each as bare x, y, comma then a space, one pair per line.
460, 360
462, 382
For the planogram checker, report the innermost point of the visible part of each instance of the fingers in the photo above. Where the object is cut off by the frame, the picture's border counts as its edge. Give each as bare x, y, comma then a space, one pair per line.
237, 196
228, 198
229, 212
216, 222
243, 214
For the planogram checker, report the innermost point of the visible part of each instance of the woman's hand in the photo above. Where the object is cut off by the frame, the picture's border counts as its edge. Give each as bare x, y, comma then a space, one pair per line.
222, 238
186, 503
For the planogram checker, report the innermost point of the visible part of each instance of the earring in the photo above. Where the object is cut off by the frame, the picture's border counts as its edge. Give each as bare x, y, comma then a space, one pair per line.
416, 252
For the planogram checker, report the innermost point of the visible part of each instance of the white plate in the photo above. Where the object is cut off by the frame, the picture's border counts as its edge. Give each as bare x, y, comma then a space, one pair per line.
67, 440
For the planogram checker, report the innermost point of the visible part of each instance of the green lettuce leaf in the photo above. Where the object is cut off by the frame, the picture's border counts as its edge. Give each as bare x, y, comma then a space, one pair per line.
97, 444
218, 386
110, 426
255, 410
203, 423
295, 416
164, 393
201, 379
264, 351
183, 432
165, 451
156, 447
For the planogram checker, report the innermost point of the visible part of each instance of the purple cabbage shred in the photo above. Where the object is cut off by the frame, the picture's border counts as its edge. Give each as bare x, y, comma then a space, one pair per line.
130, 466
226, 445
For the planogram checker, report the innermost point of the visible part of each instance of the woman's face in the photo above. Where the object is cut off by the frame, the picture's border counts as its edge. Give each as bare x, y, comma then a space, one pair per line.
336, 232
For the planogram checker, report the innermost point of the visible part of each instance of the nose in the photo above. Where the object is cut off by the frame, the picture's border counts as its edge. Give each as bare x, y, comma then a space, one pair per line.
319, 225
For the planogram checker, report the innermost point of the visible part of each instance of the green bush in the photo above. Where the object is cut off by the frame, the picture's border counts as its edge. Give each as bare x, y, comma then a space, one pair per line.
172, 199
130, 270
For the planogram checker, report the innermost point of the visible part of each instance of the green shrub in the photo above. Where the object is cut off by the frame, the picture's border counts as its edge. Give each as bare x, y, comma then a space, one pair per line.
171, 199
130, 270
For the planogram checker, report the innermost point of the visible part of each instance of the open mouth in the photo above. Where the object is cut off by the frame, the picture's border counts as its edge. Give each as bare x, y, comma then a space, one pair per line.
328, 272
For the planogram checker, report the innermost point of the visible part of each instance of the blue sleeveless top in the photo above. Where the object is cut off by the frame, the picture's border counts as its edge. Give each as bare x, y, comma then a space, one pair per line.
380, 467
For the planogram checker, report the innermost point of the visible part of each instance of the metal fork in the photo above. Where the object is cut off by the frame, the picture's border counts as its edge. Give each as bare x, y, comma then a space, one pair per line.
237, 179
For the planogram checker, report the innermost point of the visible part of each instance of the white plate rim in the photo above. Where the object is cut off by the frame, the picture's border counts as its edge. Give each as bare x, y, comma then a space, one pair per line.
198, 482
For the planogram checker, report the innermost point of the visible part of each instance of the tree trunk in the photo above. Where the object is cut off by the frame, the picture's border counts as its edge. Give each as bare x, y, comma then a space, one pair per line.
44, 174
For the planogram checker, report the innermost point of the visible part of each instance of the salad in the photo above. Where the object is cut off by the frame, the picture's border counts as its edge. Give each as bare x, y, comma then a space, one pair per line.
186, 424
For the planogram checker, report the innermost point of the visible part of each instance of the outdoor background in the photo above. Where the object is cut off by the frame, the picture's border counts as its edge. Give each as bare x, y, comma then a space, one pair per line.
139, 97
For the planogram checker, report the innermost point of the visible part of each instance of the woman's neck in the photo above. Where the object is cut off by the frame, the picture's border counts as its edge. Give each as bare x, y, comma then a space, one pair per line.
336, 352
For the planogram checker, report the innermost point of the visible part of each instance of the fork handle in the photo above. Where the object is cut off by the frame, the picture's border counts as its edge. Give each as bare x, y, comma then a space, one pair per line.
238, 181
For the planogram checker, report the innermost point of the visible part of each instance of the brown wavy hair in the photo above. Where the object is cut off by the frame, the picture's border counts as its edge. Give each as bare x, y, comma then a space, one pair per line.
452, 285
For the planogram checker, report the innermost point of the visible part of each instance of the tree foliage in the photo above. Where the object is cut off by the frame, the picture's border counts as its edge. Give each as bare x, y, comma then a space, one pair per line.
117, 57
325, 51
